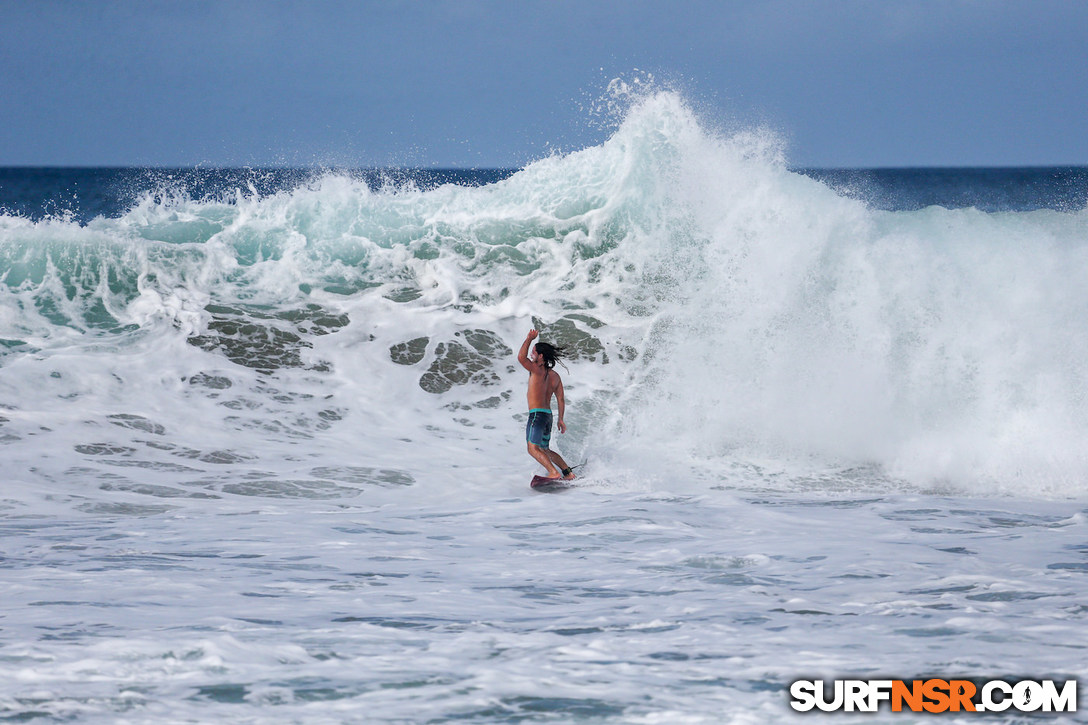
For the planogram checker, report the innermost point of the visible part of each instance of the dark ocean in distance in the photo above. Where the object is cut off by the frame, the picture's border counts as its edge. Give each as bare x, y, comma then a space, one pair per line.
82, 194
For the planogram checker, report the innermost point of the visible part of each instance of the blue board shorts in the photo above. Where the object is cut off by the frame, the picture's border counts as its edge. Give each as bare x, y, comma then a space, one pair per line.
538, 430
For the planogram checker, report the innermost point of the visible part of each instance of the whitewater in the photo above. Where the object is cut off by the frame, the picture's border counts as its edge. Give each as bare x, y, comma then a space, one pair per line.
262, 453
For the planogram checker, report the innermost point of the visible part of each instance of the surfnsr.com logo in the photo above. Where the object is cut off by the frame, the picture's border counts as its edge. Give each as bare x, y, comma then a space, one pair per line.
934, 695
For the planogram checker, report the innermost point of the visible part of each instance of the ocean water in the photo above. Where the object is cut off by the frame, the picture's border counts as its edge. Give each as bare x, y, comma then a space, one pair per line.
262, 435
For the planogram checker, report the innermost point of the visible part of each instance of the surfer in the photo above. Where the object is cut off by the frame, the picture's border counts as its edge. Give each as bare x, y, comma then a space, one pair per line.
544, 382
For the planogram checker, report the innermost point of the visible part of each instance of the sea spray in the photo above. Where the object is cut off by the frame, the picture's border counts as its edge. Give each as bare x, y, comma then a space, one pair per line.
941, 346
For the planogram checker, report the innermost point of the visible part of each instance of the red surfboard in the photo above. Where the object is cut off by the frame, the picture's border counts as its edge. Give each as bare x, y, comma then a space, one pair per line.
541, 483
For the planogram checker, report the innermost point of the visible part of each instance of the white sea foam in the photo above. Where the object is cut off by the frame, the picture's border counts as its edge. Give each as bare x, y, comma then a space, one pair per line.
263, 457
942, 347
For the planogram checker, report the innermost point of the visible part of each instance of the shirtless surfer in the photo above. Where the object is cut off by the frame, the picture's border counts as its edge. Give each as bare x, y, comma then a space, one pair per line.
544, 382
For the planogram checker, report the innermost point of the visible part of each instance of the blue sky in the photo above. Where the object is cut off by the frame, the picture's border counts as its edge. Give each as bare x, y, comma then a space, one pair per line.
498, 83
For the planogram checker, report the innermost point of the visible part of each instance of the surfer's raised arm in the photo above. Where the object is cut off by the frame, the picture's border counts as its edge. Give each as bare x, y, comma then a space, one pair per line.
523, 354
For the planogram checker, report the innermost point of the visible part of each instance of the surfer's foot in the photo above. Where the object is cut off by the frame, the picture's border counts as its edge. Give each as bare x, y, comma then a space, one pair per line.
568, 475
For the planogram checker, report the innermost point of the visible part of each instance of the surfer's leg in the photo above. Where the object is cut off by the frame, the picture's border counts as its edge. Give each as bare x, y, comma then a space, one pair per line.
538, 431
564, 469
541, 456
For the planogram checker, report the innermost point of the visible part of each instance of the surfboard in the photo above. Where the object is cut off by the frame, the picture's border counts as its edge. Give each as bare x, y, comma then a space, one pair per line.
540, 483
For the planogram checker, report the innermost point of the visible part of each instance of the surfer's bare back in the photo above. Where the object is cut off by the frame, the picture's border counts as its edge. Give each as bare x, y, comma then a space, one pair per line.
544, 382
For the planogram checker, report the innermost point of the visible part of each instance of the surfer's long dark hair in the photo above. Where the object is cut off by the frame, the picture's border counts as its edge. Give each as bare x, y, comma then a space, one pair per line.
550, 354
